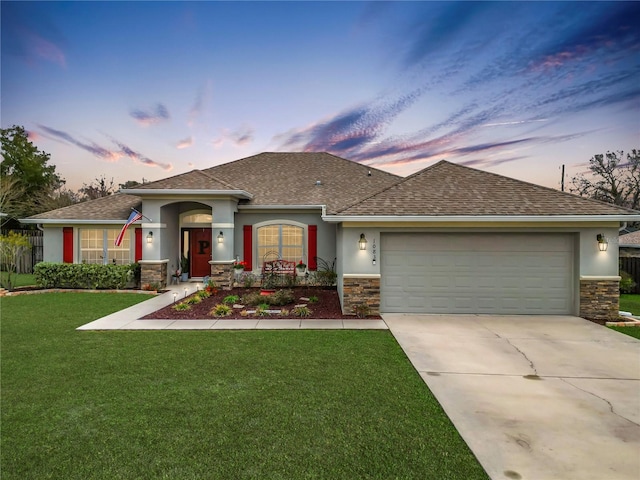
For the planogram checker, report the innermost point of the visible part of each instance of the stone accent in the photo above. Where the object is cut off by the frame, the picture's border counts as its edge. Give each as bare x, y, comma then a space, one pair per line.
222, 274
151, 273
358, 291
599, 299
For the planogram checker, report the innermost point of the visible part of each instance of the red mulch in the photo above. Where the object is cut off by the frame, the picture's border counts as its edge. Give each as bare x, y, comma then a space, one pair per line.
327, 307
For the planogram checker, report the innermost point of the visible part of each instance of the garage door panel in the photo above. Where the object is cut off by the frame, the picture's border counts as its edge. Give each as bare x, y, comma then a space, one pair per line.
477, 273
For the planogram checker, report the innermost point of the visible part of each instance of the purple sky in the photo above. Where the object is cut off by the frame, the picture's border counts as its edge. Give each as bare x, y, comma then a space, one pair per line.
135, 90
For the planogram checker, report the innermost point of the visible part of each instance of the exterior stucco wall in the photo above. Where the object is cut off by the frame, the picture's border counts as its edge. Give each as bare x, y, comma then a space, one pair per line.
52, 247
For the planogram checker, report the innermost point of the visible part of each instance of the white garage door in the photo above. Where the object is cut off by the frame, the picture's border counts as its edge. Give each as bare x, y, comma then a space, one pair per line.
477, 273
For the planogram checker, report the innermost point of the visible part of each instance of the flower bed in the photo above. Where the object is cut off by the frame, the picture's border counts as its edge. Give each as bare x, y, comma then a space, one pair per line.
327, 306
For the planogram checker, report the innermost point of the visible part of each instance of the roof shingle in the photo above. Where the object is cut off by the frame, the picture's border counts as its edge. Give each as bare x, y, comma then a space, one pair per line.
448, 189
114, 207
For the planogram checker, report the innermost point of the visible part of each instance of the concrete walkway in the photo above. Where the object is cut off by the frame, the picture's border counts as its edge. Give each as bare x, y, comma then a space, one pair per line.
129, 318
534, 397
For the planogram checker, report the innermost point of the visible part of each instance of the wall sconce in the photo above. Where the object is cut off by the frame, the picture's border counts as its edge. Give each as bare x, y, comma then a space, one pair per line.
220, 237
603, 243
362, 243
150, 238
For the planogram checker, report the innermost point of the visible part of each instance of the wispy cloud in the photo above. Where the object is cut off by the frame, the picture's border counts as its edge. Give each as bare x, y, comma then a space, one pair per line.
198, 107
108, 154
150, 116
184, 143
240, 137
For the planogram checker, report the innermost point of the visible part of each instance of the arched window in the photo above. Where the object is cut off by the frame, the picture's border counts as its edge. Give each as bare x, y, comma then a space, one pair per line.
285, 240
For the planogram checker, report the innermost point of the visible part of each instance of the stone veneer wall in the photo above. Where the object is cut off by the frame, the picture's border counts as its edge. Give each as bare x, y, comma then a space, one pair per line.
222, 274
599, 299
153, 273
358, 291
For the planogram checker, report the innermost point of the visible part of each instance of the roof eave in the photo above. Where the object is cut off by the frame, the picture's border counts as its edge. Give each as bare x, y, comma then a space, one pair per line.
186, 191
75, 221
281, 207
480, 218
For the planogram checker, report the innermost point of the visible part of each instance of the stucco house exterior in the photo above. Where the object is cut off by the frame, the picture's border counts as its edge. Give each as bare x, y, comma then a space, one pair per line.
448, 239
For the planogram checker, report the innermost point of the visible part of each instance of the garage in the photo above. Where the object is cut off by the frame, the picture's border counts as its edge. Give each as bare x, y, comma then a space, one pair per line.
491, 273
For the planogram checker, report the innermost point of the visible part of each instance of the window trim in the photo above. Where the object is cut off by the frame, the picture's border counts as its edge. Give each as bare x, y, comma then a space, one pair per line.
130, 235
256, 226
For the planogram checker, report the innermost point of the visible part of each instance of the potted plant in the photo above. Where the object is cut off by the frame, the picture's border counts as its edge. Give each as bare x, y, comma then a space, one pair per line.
238, 267
184, 268
300, 268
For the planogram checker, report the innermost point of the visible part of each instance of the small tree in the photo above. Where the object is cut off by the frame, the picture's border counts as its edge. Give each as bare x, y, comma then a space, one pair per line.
12, 246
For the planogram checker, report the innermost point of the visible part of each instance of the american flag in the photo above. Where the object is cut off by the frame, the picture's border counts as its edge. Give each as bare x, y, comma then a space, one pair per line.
134, 217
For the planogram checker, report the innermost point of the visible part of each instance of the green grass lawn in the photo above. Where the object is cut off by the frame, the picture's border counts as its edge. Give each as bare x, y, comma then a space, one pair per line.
211, 404
19, 279
631, 331
630, 302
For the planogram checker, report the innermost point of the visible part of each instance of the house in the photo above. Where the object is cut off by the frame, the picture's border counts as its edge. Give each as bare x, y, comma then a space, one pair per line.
447, 239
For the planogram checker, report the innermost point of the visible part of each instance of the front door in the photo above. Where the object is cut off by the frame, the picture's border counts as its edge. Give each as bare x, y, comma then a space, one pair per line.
200, 252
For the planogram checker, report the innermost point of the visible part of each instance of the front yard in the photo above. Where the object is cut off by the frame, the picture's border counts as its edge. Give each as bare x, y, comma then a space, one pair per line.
211, 404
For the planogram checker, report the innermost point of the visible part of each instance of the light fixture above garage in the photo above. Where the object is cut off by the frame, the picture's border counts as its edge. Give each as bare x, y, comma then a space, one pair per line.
603, 243
220, 237
362, 243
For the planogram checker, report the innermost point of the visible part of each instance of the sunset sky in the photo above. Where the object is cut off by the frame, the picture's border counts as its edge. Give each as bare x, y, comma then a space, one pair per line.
135, 90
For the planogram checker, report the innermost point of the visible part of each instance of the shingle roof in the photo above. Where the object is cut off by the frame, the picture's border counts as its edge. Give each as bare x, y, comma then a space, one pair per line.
193, 180
114, 207
632, 238
290, 179
448, 189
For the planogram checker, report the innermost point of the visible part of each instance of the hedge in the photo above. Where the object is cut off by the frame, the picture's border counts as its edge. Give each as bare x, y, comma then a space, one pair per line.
83, 275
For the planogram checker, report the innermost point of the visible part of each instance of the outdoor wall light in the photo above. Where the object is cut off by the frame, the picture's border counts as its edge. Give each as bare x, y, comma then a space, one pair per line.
362, 243
150, 238
220, 237
603, 243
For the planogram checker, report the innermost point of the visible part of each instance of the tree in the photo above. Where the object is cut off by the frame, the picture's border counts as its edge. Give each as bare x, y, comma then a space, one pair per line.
612, 178
12, 246
28, 169
97, 189
129, 184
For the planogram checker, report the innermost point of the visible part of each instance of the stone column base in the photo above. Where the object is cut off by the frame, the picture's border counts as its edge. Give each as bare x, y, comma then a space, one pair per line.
361, 290
600, 298
154, 272
222, 274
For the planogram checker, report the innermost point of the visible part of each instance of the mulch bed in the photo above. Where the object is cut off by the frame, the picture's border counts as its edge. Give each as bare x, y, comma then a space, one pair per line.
327, 307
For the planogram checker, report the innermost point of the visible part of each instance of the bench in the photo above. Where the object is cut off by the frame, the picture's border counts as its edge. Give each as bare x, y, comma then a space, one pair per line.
275, 272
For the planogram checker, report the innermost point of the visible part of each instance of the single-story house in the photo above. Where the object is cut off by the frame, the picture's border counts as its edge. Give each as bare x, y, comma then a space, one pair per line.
447, 239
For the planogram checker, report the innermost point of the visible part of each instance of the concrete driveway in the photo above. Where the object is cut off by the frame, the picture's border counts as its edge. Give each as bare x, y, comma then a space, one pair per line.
534, 397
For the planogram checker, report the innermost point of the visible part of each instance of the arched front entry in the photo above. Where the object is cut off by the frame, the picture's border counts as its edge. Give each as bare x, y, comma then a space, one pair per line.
197, 242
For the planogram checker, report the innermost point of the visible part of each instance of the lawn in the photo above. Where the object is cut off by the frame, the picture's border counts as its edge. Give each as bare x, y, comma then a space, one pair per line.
19, 279
211, 404
630, 302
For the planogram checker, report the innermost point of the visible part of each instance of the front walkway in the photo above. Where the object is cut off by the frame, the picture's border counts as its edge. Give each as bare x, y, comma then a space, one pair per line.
129, 318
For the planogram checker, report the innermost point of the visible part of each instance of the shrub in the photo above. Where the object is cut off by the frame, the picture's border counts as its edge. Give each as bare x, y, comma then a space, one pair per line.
281, 297
231, 299
626, 282
302, 311
247, 279
203, 294
220, 310
181, 306
83, 275
313, 299
261, 310
194, 300
362, 310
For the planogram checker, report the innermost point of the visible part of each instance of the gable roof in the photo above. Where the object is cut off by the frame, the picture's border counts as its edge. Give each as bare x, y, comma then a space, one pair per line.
277, 178
449, 189
113, 208
193, 180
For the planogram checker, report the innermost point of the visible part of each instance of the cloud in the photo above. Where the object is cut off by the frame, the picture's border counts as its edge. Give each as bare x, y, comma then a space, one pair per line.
150, 116
199, 105
184, 143
110, 155
240, 137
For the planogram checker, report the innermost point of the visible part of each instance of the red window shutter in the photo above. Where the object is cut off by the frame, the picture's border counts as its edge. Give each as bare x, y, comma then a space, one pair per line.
312, 248
67, 244
248, 246
138, 254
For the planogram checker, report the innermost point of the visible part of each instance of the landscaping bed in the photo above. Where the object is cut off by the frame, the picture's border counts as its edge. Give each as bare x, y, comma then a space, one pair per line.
322, 303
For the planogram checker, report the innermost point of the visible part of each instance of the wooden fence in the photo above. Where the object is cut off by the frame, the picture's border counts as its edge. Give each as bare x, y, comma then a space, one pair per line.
631, 265
33, 256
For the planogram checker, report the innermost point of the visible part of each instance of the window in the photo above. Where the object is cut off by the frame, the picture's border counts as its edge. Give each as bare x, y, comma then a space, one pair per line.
98, 246
285, 241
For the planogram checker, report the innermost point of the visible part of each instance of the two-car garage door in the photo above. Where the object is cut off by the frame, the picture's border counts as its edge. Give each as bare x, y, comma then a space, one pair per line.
477, 273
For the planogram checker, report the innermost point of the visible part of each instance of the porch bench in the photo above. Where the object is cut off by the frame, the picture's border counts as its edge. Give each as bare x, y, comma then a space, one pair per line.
280, 268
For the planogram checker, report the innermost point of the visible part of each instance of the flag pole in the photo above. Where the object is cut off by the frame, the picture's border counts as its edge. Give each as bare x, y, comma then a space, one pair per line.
141, 214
